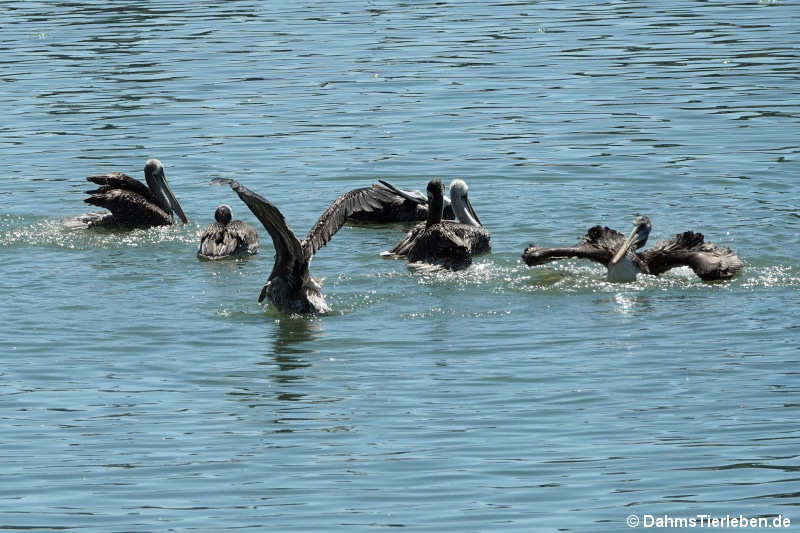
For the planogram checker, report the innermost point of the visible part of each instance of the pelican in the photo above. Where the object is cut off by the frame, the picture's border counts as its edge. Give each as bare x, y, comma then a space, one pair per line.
226, 237
290, 286
620, 256
387, 203
131, 203
447, 243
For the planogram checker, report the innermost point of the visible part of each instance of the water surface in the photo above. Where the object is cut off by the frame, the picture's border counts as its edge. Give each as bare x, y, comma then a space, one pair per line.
144, 390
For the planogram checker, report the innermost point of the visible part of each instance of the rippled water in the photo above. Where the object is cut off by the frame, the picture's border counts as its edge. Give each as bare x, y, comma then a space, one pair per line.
143, 390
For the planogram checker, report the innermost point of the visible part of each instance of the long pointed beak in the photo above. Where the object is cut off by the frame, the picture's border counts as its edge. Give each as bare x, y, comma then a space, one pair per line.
625, 247
173, 202
472, 212
416, 199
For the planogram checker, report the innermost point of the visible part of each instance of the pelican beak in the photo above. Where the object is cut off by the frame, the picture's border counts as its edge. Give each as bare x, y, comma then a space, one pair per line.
625, 246
471, 211
173, 202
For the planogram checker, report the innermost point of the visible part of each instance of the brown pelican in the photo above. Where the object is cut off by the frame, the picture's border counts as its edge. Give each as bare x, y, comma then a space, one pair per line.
446, 243
387, 203
227, 238
290, 286
131, 203
618, 253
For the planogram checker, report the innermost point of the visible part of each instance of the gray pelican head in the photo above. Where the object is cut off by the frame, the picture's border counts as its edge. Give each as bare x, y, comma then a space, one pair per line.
461, 204
154, 174
636, 239
223, 214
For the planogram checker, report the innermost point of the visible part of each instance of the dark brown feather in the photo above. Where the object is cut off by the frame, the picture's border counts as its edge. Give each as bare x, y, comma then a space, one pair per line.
599, 244
224, 240
334, 217
130, 209
442, 244
119, 180
707, 260
290, 261
379, 204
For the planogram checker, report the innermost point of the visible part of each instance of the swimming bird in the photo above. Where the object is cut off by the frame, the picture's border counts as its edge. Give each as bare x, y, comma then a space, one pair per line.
131, 203
226, 237
447, 243
620, 256
290, 286
387, 203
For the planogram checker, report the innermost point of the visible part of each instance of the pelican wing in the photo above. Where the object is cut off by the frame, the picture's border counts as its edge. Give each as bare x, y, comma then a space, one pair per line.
245, 234
599, 245
385, 203
707, 260
119, 180
441, 244
417, 197
130, 208
414, 196
290, 261
477, 237
215, 242
220, 240
364, 199
402, 247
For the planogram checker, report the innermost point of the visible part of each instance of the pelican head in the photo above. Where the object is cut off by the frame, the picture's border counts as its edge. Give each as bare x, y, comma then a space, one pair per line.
636, 239
461, 204
223, 214
154, 174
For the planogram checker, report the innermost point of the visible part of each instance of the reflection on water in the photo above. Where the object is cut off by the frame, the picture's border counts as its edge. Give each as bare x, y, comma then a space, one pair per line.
292, 332
289, 340
626, 303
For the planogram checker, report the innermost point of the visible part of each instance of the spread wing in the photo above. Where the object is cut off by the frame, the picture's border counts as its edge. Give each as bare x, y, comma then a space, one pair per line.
707, 260
402, 247
378, 198
419, 199
386, 203
337, 214
129, 200
118, 180
130, 208
414, 196
290, 261
599, 245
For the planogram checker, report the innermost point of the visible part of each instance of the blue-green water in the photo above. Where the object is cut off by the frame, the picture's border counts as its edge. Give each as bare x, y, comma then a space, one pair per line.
143, 390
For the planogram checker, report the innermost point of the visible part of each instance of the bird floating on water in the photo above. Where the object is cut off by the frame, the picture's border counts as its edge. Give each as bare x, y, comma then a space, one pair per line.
620, 256
226, 237
386, 203
290, 286
131, 203
447, 243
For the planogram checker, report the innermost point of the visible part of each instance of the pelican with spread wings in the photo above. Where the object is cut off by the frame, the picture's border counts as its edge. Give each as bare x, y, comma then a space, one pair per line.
290, 286
383, 203
621, 257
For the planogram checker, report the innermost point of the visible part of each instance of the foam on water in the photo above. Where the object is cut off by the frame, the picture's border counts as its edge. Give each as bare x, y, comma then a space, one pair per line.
19, 231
